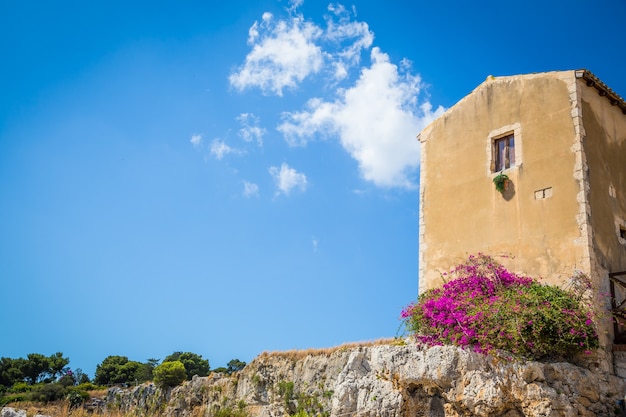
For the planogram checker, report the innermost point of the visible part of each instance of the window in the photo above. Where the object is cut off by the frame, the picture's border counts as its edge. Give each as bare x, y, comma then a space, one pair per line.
620, 228
503, 149
503, 153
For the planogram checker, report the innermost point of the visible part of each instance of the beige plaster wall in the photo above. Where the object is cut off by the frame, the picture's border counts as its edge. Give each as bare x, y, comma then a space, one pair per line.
605, 150
462, 213
604, 147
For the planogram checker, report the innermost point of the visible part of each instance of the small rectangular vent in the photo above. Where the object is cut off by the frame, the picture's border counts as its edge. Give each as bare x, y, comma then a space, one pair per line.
543, 193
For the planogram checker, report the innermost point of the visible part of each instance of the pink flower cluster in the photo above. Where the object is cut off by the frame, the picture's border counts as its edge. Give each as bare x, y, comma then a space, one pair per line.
486, 307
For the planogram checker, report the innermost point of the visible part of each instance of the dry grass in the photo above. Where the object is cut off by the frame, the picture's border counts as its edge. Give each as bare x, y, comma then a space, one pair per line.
62, 409
54, 409
100, 394
295, 355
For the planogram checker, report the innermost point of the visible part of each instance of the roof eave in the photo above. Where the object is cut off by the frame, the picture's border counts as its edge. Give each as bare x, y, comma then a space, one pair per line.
603, 89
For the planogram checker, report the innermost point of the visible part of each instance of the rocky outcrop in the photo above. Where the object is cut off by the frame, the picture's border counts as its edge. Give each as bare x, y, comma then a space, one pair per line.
386, 381
12, 412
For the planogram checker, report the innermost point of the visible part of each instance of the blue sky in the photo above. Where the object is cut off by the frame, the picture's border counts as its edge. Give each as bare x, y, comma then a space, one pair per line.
238, 177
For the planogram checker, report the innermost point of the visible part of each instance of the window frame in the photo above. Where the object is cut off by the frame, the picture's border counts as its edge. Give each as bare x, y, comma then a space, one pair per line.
502, 133
620, 230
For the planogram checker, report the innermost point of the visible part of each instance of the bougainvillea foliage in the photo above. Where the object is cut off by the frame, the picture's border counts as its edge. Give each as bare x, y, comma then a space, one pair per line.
485, 307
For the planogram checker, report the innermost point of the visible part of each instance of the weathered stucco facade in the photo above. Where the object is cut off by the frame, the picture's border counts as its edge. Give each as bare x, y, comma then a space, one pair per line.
565, 206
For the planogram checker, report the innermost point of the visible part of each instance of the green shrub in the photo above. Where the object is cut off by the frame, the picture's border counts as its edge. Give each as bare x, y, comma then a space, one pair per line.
88, 386
169, 374
302, 413
194, 364
20, 387
76, 398
285, 390
66, 381
487, 308
13, 398
230, 412
48, 392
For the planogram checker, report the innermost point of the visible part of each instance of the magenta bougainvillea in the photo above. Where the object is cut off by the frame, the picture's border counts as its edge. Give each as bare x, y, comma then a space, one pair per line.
486, 308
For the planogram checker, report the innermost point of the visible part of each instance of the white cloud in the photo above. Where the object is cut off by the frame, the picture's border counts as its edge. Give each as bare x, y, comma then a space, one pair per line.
196, 140
250, 129
315, 242
339, 32
283, 54
219, 149
294, 4
250, 189
287, 178
286, 51
375, 116
376, 120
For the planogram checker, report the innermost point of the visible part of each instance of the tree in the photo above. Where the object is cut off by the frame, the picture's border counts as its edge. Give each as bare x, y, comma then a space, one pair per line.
11, 371
194, 364
235, 365
56, 364
144, 373
153, 362
80, 377
116, 370
170, 374
36, 367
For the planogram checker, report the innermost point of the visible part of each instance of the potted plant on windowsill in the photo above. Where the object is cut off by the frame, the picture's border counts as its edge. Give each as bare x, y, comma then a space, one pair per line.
501, 181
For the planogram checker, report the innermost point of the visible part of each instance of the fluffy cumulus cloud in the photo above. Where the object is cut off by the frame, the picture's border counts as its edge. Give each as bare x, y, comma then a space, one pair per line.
283, 54
250, 189
250, 128
287, 179
286, 51
375, 109
376, 121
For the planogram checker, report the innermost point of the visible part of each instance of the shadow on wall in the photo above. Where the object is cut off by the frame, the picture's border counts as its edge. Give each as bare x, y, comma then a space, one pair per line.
509, 191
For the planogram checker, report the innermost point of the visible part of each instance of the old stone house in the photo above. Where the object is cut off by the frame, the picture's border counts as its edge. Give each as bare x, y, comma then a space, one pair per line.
560, 138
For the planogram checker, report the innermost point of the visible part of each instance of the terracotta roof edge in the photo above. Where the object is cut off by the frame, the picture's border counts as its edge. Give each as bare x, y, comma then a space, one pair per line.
603, 89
